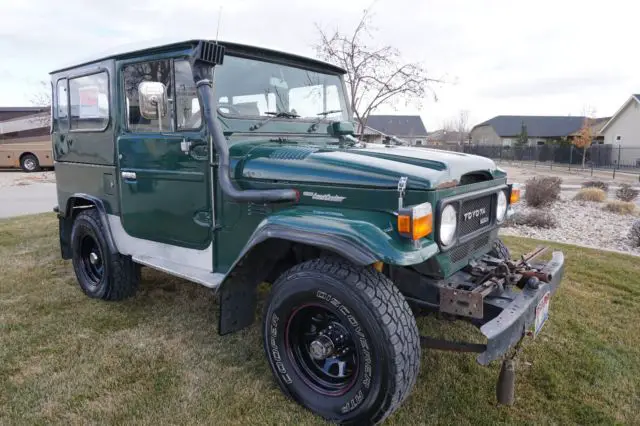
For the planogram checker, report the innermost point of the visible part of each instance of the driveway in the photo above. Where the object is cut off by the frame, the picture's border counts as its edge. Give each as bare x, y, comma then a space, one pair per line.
26, 193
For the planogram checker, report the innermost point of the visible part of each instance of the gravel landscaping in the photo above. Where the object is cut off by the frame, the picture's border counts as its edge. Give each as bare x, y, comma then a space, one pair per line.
581, 223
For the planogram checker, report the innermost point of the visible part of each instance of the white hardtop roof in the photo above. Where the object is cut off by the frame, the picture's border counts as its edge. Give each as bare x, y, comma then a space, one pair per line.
140, 46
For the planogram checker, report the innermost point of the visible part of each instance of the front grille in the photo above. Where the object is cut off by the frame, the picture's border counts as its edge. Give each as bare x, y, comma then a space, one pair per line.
476, 214
465, 250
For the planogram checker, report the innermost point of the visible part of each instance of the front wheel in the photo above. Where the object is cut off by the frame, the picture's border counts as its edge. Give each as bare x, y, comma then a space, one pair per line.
341, 341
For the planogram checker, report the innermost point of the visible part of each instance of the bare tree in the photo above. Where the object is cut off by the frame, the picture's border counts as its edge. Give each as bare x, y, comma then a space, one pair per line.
457, 125
375, 76
462, 125
42, 98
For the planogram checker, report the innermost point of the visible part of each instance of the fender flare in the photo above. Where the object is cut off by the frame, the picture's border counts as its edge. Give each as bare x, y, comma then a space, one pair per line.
361, 241
80, 200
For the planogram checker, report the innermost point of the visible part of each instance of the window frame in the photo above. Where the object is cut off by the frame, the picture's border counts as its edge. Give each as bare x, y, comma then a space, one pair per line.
89, 73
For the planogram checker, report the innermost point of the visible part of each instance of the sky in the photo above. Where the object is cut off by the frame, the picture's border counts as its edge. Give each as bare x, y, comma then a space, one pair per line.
498, 57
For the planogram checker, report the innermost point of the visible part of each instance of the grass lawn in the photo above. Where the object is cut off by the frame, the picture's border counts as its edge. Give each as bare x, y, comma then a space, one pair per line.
157, 358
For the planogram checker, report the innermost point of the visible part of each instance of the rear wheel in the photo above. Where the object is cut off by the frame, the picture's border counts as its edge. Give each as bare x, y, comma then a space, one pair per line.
341, 341
100, 273
29, 163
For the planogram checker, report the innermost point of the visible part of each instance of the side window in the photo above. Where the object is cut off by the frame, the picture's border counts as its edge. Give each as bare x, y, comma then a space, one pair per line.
61, 110
89, 101
134, 76
188, 115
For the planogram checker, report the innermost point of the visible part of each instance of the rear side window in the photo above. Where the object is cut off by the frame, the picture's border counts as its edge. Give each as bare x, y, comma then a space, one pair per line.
61, 111
89, 100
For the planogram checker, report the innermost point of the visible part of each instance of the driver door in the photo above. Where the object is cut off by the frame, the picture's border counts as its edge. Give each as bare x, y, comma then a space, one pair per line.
165, 182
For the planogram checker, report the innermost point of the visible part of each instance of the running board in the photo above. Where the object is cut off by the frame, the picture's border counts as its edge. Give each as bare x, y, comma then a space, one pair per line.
196, 275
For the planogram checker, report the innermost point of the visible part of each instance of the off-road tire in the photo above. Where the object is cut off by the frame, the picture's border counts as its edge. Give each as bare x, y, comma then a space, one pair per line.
29, 163
500, 250
120, 277
368, 301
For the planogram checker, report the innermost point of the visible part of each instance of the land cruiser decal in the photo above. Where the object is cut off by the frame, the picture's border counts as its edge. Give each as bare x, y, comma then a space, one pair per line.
323, 197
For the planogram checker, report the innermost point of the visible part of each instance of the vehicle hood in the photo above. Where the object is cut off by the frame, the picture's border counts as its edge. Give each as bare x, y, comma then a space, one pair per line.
378, 166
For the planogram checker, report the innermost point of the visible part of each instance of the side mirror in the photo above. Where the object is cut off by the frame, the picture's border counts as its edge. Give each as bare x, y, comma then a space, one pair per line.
341, 128
153, 99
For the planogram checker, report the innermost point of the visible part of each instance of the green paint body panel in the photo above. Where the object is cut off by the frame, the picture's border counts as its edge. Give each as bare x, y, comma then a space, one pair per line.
348, 192
170, 199
91, 179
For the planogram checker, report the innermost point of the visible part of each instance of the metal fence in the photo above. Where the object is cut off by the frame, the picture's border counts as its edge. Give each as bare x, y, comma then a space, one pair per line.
613, 158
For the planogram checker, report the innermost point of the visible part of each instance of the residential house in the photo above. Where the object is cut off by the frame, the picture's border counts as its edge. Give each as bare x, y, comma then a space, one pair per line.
623, 131
409, 128
447, 138
596, 127
505, 129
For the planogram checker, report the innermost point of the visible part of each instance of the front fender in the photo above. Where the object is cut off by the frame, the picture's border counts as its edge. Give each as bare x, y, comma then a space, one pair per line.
359, 236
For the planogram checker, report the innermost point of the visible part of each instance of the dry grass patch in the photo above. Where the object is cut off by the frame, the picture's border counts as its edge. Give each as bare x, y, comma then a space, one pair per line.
158, 359
591, 194
620, 207
542, 191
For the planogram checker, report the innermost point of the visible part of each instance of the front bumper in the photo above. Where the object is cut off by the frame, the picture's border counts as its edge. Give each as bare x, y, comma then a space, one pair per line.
518, 312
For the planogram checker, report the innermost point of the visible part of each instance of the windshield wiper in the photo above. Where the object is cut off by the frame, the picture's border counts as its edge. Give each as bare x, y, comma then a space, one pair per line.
281, 114
322, 115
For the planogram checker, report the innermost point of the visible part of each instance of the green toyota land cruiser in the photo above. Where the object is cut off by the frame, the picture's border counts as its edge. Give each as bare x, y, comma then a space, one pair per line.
230, 165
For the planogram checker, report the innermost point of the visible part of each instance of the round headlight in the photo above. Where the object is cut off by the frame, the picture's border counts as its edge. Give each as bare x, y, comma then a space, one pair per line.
448, 224
501, 209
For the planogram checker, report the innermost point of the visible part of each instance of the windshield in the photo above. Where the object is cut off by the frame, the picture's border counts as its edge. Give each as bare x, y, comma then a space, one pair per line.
248, 87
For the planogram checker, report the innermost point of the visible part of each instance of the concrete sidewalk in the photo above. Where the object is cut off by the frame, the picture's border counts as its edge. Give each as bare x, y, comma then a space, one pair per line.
27, 199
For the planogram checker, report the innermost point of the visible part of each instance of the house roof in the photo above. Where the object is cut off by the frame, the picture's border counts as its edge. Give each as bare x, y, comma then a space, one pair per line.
398, 125
537, 126
622, 108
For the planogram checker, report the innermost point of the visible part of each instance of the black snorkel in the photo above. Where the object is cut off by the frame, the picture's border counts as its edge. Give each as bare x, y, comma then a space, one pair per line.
205, 57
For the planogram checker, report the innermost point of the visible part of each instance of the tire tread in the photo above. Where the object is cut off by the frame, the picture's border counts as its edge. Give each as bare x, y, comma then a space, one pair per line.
397, 320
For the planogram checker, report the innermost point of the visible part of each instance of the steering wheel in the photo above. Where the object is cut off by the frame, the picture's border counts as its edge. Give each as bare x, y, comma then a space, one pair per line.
196, 119
231, 108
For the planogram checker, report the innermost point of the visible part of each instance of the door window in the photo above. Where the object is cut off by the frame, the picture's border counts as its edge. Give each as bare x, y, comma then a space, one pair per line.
134, 76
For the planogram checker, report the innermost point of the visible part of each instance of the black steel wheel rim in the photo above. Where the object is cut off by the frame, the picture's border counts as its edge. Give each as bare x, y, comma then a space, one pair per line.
334, 374
91, 257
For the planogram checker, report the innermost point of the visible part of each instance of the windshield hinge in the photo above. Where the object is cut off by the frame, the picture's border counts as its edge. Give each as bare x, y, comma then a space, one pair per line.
402, 187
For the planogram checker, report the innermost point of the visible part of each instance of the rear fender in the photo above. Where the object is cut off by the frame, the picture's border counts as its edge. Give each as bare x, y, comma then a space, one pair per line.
66, 216
359, 236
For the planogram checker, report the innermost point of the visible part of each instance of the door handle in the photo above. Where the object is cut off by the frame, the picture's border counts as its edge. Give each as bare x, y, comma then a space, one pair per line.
129, 175
185, 146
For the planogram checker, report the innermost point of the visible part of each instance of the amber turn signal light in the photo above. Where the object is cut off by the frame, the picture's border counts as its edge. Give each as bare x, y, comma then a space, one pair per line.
415, 222
515, 195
